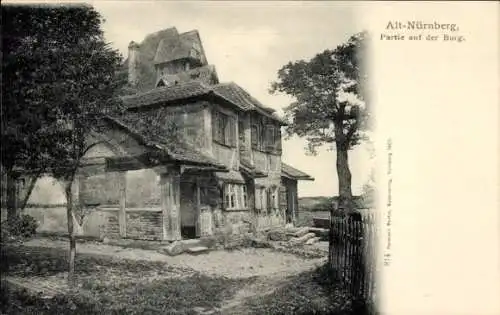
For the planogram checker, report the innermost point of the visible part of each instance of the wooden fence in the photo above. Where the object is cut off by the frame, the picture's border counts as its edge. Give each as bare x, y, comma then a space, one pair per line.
353, 256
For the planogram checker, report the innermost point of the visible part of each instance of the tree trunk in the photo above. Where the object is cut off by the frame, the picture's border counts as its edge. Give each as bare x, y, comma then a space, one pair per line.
31, 186
344, 203
344, 177
71, 233
11, 197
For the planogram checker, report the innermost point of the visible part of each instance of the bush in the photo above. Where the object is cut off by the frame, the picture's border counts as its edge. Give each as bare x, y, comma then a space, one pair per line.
23, 226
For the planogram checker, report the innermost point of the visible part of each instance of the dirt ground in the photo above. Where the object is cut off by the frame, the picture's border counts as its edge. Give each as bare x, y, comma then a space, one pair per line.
244, 263
270, 269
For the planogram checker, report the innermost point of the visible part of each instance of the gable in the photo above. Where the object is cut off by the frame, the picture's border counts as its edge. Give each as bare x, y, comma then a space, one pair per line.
161, 47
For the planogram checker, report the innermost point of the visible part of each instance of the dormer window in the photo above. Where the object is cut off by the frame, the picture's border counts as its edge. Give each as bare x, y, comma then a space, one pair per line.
195, 54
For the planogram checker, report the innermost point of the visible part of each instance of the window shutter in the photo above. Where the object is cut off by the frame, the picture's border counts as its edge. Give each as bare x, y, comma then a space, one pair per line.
241, 135
232, 131
213, 196
255, 137
278, 139
224, 130
258, 203
269, 137
215, 125
282, 198
269, 199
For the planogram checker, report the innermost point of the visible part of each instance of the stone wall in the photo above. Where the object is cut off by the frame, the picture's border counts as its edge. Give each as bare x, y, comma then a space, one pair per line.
145, 225
238, 221
110, 228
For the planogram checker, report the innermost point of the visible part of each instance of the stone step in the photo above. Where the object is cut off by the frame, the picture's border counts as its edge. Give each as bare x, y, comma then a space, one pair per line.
204, 242
197, 250
186, 244
298, 233
302, 239
312, 240
320, 232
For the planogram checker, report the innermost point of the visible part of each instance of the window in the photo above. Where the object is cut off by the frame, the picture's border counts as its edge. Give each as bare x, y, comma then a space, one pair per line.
266, 135
235, 196
224, 129
269, 137
197, 47
195, 54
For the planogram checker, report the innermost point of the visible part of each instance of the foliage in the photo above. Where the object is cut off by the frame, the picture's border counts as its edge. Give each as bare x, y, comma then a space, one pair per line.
59, 77
369, 193
328, 91
329, 106
23, 226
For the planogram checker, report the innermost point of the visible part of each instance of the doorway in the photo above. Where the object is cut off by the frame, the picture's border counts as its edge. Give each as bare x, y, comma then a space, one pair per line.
189, 211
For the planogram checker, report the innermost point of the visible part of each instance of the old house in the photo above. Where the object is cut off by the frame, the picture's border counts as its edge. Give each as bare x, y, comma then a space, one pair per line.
190, 157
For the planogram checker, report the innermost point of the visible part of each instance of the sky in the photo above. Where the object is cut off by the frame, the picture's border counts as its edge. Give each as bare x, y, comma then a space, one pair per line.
248, 42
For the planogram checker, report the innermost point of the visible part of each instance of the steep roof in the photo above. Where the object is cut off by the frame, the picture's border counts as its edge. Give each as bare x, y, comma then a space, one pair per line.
229, 92
250, 170
167, 45
166, 94
160, 47
205, 74
293, 173
173, 46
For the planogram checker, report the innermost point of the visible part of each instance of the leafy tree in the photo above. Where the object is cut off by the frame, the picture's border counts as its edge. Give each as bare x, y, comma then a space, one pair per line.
60, 78
329, 107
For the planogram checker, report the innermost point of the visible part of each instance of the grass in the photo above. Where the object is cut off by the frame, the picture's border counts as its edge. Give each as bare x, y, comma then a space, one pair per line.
112, 286
121, 286
308, 293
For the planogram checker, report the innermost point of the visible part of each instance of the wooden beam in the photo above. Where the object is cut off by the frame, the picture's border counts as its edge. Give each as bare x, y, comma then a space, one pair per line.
170, 200
122, 215
165, 205
175, 213
198, 207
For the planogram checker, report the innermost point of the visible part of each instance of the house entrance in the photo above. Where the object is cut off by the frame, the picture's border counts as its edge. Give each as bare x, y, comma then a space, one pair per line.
189, 211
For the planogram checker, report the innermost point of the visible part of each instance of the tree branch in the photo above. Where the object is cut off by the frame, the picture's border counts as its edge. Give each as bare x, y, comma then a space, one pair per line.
30, 189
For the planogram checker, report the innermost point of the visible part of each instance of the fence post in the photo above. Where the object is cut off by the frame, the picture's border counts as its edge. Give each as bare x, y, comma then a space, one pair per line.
357, 264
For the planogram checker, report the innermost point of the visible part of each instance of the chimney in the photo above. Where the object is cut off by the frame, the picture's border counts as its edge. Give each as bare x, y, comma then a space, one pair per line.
133, 56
